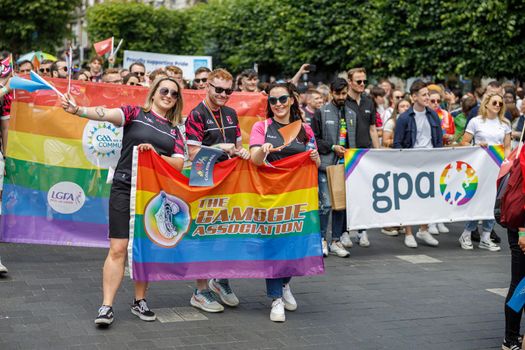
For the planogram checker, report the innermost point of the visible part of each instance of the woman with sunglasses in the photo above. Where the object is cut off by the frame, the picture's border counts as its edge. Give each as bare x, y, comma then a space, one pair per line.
283, 109
151, 127
487, 129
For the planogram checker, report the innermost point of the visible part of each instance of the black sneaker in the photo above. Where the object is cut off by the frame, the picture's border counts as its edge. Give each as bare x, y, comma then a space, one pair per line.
140, 308
474, 236
513, 344
105, 316
494, 237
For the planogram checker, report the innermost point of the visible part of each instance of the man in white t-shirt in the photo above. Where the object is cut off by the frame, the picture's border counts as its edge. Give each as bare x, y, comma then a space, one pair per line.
418, 127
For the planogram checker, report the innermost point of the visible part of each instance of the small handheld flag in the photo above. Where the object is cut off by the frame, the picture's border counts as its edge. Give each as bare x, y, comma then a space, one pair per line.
517, 300
104, 46
6, 67
26, 84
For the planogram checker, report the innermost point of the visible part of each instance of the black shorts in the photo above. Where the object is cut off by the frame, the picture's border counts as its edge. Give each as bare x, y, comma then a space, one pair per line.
119, 203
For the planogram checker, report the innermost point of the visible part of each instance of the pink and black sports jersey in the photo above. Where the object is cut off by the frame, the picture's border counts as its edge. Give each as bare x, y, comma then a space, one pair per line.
5, 106
146, 127
203, 129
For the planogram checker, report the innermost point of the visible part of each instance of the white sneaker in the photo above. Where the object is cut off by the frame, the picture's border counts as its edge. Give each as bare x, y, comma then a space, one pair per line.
336, 248
324, 245
363, 239
432, 229
205, 301
277, 313
489, 245
426, 237
389, 231
346, 241
224, 291
3, 269
410, 241
442, 228
289, 301
466, 242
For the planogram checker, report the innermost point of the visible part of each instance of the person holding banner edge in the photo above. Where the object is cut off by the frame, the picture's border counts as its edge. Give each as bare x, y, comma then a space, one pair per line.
152, 127
212, 124
283, 109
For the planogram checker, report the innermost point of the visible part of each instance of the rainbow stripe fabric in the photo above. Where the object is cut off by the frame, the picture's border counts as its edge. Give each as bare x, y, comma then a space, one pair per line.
496, 152
55, 190
352, 158
253, 223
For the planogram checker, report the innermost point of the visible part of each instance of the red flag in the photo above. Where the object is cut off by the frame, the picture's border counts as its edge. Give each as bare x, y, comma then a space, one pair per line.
5, 67
104, 46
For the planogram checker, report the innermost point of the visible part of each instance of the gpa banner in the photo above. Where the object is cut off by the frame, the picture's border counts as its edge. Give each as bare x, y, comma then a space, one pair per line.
253, 223
420, 186
55, 189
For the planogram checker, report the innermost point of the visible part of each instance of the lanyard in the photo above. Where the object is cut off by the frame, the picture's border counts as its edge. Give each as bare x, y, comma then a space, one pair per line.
220, 126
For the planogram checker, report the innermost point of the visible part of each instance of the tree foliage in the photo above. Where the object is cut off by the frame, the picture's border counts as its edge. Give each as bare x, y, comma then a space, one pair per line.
35, 25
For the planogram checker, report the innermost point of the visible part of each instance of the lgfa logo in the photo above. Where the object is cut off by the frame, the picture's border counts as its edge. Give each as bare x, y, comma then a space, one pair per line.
458, 184
66, 197
102, 143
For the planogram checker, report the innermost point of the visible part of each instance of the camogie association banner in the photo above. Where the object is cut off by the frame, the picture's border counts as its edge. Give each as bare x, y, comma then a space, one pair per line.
55, 189
253, 223
420, 186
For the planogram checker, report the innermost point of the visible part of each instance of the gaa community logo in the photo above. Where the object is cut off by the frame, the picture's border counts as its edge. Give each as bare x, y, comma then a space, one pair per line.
199, 165
458, 183
66, 197
166, 220
102, 143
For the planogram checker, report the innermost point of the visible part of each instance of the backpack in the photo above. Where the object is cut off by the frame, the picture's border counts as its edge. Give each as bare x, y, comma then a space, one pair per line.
512, 197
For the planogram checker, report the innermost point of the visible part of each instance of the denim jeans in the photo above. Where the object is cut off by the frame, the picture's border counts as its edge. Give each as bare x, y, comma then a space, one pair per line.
487, 225
325, 208
222, 280
274, 286
517, 273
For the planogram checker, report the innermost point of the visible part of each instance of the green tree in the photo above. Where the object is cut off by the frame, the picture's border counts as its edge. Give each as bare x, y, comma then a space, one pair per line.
35, 25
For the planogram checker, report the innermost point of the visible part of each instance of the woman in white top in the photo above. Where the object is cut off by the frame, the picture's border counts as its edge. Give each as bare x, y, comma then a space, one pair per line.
487, 129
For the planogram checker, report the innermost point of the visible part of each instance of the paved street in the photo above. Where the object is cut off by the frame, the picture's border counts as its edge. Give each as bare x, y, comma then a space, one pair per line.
374, 300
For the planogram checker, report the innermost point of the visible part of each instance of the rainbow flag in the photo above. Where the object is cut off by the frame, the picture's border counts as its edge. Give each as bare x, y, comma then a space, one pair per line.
253, 223
55, 190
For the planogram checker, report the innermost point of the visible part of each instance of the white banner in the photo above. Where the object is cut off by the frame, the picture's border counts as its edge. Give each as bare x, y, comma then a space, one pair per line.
152, 61
387, 188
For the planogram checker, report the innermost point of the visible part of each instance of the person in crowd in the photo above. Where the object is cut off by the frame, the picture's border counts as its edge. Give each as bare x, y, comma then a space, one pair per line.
400, 107
131, 79
124, 72
210, 124
460, 121
365, 126
509, 96
283, 109
82, 75
176, 73
45, 68
378, 95
201, 77
6, 98
248, 80
396, 96
493, 87
517, 125
389, 88
325, 92
489, 128
314, 101
334, 129
139, 69
95, 68
112, 76
159, 72
59, 69
418, 127
25, 67
151, 127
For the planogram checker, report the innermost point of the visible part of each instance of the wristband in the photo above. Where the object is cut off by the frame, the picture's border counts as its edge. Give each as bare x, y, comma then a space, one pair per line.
84, 112
333, 146
521, 234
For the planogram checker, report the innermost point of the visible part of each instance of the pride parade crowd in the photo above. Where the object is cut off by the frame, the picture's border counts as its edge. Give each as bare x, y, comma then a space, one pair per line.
348, 113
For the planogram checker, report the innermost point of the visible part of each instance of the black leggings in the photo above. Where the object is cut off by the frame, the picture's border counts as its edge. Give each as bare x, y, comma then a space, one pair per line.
517, 270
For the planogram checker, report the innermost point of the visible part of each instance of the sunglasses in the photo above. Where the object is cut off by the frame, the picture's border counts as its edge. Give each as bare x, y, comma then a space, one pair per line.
282, 99
219, 90
64, 69
398, 97
141, 74
198, 81
133, 83
361, 82
497, 103
435, 101
165, 91
42, 70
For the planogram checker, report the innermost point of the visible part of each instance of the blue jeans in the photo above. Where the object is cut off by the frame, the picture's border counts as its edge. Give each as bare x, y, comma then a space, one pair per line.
487, 225
325, 208
274, 286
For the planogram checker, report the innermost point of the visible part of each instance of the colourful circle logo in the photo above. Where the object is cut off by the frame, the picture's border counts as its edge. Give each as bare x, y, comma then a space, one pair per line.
458, 183
166, 219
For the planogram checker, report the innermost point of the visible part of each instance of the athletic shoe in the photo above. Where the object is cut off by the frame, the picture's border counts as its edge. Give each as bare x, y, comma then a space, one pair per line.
346, 241
426, 237
513, 344
494, 237
389, 231
141, 310
336, 248
224, 291
401, 229
466, 242
490, 246
325, 247
289, 301
277, 313
442, 228
363, 239
205, 301
432, 229
410, 241
474, 236
3, 269
105, 316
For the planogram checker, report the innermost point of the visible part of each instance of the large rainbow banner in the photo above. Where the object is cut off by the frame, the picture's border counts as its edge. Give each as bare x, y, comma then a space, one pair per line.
55, 190
253, 223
